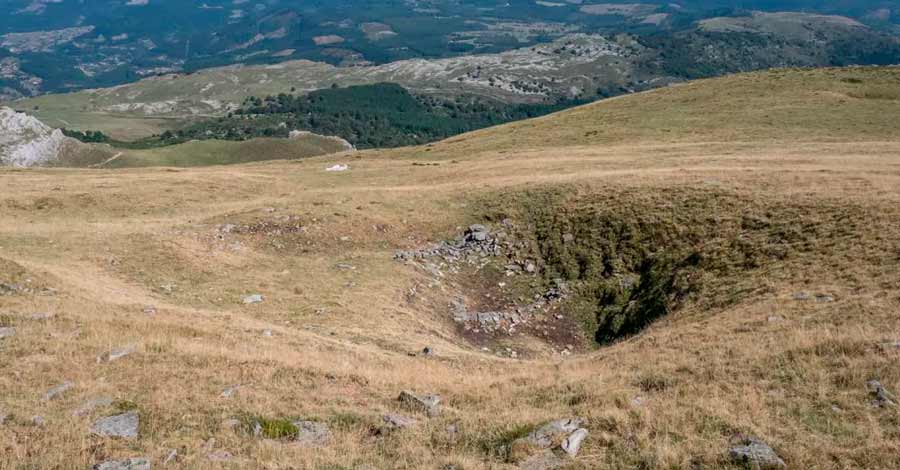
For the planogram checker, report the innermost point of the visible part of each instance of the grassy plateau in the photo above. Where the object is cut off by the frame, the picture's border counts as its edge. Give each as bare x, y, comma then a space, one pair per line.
731, 249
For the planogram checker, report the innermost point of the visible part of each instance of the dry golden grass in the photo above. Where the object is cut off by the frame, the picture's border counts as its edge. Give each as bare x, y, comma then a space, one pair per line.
107, 240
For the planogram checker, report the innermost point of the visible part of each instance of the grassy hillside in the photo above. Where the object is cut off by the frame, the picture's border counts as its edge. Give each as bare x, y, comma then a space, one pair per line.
816, 105
217, 152
727, 256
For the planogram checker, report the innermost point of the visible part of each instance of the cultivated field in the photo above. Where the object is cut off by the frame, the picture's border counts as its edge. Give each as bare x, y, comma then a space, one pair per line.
758, 214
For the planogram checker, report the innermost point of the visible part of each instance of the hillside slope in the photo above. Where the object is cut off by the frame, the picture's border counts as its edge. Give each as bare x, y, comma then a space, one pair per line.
681, 269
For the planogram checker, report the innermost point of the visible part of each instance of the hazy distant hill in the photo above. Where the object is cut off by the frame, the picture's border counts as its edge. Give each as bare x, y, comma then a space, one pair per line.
60, 45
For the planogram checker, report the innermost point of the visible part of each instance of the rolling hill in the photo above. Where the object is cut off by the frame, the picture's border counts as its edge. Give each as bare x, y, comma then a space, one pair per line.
695, 276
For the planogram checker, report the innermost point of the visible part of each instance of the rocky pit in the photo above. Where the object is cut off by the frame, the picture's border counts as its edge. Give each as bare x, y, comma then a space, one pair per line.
575, 272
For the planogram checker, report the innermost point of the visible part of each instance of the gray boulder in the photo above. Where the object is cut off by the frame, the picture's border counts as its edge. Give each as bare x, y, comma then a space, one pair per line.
572, 444
545, 435
115, 354
7, 332
252, 299
428, 404
565, 434
127, 464
124, 425
756, 454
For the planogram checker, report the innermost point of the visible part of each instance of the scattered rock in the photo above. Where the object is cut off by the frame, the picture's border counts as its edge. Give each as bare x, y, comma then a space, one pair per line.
41, 316
127, 464
802, 296
10, 289
38, 420
395, 421
7, 332
880, 396
253, 299
171, 457
228, 392
774, 318
312, 434
149, 310
115, 354
89, 406
545, 435
124, 425
566, 434
890, 345
3, 417
338, 167
267, 333
428, 404
755, 453
58, 390
823, 298
572, 444
428, 351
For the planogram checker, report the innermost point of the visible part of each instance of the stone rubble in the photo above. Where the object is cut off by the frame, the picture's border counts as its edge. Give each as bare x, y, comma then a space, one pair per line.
477, 246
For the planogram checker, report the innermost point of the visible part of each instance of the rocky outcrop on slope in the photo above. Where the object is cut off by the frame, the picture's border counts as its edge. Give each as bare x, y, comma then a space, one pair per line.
26, 142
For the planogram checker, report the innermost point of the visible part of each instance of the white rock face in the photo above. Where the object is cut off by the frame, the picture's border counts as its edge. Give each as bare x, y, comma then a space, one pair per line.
26, 141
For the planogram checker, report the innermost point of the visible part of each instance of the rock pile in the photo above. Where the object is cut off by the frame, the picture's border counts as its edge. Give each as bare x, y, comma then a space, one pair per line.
538, 450
474, 246
506, 321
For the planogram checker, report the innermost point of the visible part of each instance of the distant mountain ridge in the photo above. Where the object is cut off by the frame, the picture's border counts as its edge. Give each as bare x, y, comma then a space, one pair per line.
66, 45
574, 67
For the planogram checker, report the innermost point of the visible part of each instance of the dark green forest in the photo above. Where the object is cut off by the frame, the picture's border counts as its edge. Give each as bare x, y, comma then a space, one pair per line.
368, 116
